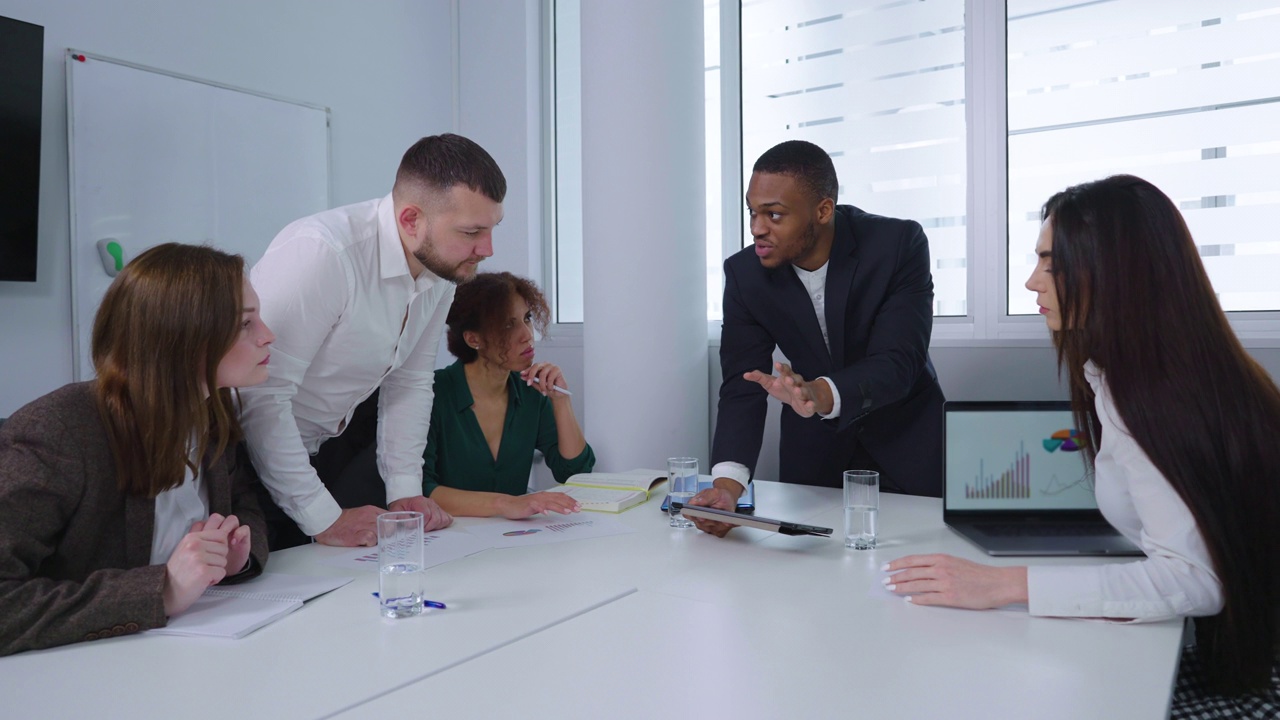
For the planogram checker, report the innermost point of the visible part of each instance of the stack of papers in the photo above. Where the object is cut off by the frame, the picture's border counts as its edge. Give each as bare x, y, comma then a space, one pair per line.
234, 611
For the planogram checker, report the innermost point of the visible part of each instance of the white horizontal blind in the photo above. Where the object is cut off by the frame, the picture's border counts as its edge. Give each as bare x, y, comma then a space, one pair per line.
1183, 93
880, 85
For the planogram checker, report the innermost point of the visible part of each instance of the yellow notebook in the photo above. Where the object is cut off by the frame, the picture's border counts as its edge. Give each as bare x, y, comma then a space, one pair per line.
611, 492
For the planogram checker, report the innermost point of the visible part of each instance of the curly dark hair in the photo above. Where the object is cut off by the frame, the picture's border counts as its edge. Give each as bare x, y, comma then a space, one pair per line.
481, 306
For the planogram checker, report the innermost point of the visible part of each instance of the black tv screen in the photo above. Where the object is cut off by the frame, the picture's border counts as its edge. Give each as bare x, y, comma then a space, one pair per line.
21, 83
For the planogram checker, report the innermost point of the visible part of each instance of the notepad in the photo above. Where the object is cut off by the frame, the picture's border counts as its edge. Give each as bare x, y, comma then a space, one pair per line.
234, 611
611, 492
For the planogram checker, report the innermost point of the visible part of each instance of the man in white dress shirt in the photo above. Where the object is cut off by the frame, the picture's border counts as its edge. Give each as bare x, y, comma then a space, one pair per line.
358, 296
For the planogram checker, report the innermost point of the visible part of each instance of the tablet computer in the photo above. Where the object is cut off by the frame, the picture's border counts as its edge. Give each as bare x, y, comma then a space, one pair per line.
779, 526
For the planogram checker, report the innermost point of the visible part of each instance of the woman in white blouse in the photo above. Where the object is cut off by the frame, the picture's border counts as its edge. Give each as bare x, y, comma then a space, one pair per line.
123, 498
1186, 458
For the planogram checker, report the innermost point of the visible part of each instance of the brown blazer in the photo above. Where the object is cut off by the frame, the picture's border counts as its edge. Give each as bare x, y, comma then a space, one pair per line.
75, 552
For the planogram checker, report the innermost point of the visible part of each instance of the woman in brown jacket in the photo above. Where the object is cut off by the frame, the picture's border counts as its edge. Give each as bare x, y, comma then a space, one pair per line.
123, 498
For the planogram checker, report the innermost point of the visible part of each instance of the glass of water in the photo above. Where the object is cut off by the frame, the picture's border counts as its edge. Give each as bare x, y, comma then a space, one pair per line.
402, 579
682, 484
861, 505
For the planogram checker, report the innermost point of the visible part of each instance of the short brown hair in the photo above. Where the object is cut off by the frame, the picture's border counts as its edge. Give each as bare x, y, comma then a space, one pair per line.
162, 329
438, 162
481, 306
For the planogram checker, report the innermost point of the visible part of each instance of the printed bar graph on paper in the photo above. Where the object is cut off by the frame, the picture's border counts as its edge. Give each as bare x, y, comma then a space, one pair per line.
1012, 484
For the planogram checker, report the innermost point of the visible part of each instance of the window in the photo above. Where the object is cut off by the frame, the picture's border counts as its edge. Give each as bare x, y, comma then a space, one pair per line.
966, 115
1183, 94
880, 85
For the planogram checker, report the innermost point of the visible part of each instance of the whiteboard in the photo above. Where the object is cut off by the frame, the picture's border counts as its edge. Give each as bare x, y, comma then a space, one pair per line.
156, 157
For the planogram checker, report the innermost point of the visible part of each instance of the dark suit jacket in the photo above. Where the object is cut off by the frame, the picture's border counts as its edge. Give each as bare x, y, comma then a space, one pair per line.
879, 313
75, 552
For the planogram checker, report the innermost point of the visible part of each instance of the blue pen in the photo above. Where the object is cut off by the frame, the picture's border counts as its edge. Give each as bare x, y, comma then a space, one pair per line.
428, 603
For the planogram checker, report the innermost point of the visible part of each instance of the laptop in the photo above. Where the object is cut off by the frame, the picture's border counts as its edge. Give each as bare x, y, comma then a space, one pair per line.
1015, 482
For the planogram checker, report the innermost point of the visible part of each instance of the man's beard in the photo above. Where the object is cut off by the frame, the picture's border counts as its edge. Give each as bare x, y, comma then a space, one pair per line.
426, 254
808, 241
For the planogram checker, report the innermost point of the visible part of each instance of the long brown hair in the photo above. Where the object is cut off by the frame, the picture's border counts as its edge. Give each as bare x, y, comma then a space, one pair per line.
1135, 299
164, 325
482, 305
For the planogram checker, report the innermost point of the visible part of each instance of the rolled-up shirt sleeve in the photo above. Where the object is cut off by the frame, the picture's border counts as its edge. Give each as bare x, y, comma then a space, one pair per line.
734, 471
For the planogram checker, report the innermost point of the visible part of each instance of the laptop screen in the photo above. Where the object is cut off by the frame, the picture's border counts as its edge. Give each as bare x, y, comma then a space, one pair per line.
1014, 456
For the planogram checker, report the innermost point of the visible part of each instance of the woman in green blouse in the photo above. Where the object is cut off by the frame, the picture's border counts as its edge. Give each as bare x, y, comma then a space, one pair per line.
495, 406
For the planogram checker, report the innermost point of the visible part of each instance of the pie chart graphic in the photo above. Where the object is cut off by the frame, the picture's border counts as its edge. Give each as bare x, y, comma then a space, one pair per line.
1064, 440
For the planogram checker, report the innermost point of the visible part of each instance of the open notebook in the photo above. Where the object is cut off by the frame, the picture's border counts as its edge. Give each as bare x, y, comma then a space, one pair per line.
611, 492
233, 611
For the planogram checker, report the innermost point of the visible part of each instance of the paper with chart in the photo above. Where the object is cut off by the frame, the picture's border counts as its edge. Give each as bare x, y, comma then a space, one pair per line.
547, 529
439, 547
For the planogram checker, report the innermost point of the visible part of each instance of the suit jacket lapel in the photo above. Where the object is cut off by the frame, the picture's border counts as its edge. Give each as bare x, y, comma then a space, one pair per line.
840, 271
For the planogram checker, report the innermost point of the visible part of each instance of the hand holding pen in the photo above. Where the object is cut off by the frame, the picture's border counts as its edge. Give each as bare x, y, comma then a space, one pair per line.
547, 378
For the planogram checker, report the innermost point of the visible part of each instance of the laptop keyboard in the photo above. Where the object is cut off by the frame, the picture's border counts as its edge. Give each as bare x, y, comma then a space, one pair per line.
1044, 530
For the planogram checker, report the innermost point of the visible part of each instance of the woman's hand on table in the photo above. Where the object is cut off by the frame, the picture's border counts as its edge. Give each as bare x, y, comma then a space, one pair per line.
517, 507
952, 582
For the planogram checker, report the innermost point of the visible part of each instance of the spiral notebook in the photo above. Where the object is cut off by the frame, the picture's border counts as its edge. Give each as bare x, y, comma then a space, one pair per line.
233, 611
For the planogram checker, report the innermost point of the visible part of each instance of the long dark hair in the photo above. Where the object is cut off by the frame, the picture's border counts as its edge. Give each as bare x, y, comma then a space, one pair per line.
164, 325
1134, 298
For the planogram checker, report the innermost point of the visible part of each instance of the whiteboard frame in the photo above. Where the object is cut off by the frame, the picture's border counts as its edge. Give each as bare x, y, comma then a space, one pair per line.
70, 58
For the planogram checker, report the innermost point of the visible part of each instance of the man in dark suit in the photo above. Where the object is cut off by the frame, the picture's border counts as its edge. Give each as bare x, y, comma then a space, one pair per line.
848, 298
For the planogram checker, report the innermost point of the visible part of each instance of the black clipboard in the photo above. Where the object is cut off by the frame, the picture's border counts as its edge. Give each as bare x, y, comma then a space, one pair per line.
779, 526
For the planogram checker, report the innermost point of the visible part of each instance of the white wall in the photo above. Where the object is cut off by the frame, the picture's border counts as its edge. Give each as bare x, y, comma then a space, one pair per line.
643, 229
499, 106
384, 68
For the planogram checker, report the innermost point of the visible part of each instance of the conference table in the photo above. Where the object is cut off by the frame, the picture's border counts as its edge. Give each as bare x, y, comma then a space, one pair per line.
657, 622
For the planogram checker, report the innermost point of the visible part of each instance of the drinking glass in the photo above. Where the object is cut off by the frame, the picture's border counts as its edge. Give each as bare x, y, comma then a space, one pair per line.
402, 579
861, 505
682, 485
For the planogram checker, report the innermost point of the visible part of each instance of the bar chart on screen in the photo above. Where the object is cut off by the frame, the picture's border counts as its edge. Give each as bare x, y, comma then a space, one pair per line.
1013, 483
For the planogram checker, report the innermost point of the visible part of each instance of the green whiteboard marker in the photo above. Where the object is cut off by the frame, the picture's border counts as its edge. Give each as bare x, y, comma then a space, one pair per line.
112, 254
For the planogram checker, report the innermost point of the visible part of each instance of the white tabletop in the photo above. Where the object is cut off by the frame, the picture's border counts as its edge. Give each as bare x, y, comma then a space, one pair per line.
763, 626
754, 625
335, 652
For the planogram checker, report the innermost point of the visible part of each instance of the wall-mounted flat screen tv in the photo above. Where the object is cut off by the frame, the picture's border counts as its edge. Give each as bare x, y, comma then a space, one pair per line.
21, 83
